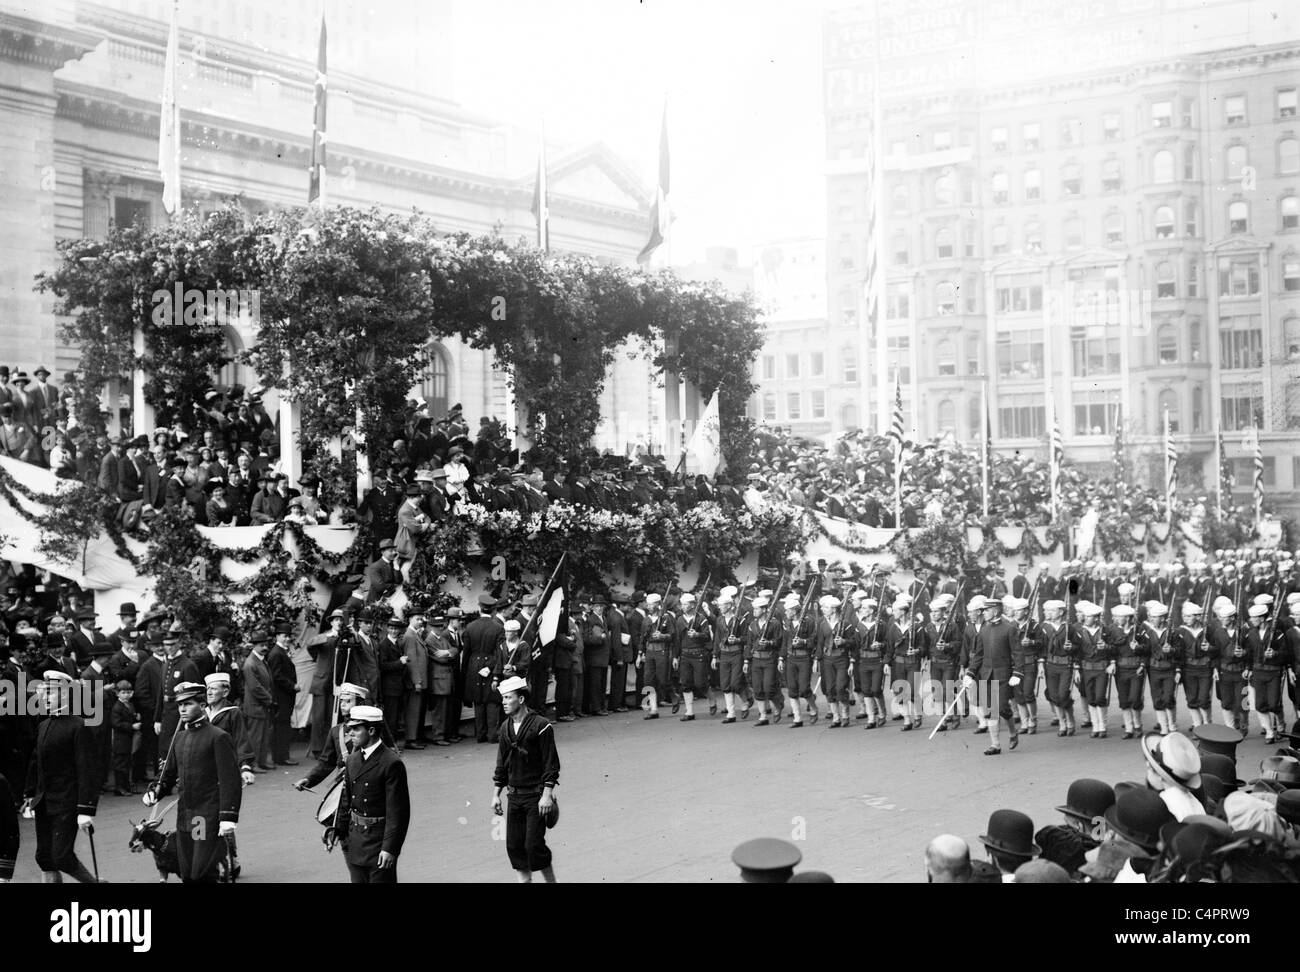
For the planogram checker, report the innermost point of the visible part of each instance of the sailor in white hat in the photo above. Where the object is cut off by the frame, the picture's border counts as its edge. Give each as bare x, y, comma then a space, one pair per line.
1192, 647
944, 633
1058, 665
527, 773
1129, 686
1161, 665
375, 809
229, 720
762, 649
869, 667
1267, 649
1025, 694
729, 649
906, 646
838, 639
1232, 661
658, 653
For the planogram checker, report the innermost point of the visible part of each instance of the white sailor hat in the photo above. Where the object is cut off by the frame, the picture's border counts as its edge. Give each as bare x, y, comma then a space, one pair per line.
1219, 602
1293, 597
652, 599
1265, 599
370, 714
512, 684
729, 592
761, 600
1156, 610
870, 602
903, 599
1044, 566
353, 689
941, 601
976, 603
1285, 564
1258, 610
1126, 588
1088, 609
1225, 610
859, 595
512, 625
828, 600
1200, 565
1009, 602
1018, 604
1122, 611
1090, 565
217, 678
53, 675
1191, 607
687, 597
1053, 605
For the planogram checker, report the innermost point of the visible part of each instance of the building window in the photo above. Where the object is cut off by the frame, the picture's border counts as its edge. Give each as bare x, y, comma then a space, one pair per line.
1167, 344
1114, 228
1198, 409
968, 236
943, 190
1001, 189
846, 252
1033, 185
792, 366
769, 407
898, 356
817, 404
1033, 236
943, 243
769, 367
1239, 277
899, 203
1242, 407
1286, 103
850, 359
1162, 166
947, 416
1189, 112
1020, 416
1291, 272
1290, 209
1238, 158
899, 248
1238, 217
998, 138
897, 306
1194, 338
1234, 109
1291, 338
1030, 137
793, 411
1072, 179
1164, 222
1162, 114
434, 384
945, 356
1168, 403
1189, 161
1074, 233
945, 298
1000, 239
1095, 412
942, 139
1241, 342
972, 295
1111, 179
968, 190
1071, 132
973, 355
1193, 277
816, 364
1110, 130
1166, 280
1096, 351
848, 317
1096, 296
235, 372
1243, 472
1019, 295
127, 212
1189, 218
1020, 354
1288, 156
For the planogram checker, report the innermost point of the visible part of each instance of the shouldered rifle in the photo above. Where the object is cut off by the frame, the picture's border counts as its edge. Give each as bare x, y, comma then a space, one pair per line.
740, 604
801, 625
699, 603
947, 622
1033, 594
772, 616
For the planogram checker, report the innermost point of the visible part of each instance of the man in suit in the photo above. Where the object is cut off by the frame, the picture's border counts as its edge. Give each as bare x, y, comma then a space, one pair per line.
203, 766
381, 576
332, 652
47, 398
482, 636
268, 505
95, 675
61, 785
284, 684
415, 680
259, 700
375, 809
996, 661
621, 651
443, 660
148, 702
556, 488
109, 466
85, 638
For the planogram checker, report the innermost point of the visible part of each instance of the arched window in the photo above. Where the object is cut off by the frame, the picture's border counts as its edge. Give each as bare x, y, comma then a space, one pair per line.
945, 357
947, 415
1000, 239
943, 243
235, 372
1114, 228
945, 298
1288, 156
1290, 212
1033, 236
1166, 280
898, 201
1237, 160
1238, 217
1162, 166
1167, 344
1164, 222
1168, 400
944, 190
434, 384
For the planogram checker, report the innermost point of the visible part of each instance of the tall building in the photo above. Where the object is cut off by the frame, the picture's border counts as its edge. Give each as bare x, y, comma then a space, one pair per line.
1107, 228
80, 86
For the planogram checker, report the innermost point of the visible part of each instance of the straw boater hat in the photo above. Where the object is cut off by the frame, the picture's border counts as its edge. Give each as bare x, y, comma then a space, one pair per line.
1173, 758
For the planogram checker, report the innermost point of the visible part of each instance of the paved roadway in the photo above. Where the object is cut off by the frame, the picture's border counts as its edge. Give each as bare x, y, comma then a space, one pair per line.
667, 801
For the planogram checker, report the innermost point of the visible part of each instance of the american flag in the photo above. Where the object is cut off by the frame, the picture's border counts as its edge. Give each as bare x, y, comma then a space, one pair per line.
1171, 471
895, 436
1259, 479
660, 214
1056, 448
316, 182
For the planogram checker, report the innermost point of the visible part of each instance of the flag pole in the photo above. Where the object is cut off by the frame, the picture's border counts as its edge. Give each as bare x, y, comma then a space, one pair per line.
1218, 470
988, 431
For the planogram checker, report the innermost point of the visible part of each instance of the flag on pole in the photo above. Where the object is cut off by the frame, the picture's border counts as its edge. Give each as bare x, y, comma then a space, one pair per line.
987, 455
895, 436
1259, 478
705, 447
1056, 448
660, 215
1226, 478
1171, 471
1117, 456
169, 125
316, 183
541, 198
550, 607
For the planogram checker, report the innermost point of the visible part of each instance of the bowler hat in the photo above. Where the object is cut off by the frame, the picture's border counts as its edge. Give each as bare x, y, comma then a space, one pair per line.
1137, 815
1283, 769
1088, 799
1010, 832
127, 608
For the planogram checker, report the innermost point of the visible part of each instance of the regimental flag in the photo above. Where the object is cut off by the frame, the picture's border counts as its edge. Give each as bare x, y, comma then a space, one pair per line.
543, 626
660, 214
1056, 449
1171, 471
541, 198
1226, 478
1259, 479
316, 183
169, 125
705, 447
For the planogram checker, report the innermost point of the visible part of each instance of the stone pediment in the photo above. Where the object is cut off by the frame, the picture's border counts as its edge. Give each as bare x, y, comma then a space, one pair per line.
595, 174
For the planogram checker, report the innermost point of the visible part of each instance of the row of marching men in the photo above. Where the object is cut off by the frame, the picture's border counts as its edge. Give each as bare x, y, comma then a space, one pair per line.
853, 648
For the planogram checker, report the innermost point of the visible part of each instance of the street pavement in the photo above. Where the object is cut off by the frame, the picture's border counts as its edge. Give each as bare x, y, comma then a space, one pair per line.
667, 801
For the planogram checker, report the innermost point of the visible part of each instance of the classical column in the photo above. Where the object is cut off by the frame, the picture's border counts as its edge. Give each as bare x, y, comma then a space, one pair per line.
142, 417
290, 428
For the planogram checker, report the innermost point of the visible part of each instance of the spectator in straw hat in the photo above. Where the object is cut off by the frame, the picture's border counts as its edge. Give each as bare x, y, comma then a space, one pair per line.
1174, 770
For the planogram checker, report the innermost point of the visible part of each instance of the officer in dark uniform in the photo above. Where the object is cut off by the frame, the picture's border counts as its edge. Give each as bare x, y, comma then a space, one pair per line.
202, 765
374, 811
482, 637
61, 785
177, 669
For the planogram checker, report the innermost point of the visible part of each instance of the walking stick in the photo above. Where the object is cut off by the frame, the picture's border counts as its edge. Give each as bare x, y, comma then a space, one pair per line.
94, 859
948, 713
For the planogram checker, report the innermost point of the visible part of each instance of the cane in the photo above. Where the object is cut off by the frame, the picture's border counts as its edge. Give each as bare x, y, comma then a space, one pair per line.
944, 721
94, 860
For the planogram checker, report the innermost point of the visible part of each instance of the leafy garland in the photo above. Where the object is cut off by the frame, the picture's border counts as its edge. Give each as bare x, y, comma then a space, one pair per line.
75, 518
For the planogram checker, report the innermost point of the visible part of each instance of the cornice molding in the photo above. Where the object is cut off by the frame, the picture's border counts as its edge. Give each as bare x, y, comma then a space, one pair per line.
45, 45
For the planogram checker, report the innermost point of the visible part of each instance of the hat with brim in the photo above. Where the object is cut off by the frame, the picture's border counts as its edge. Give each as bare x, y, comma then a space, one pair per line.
1088, 799
1137, 815
1283, 769
365, 715
513, 684
354, 690
188, 691
1012, 833
1174, 759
